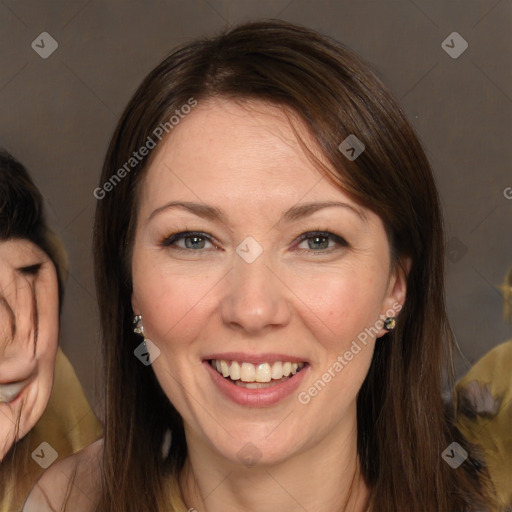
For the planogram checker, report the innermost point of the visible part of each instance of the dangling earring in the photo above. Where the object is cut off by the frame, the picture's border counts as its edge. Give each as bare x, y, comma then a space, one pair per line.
389, 323
138, 329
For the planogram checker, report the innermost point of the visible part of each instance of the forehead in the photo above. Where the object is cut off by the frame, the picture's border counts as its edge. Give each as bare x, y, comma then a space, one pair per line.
16, 249
232, 153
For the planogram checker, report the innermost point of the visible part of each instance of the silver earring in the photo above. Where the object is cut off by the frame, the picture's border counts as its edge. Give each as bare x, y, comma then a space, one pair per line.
138, 329
389, 323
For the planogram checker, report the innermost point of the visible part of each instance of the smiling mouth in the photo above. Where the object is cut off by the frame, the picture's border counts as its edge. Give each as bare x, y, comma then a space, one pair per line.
256, 376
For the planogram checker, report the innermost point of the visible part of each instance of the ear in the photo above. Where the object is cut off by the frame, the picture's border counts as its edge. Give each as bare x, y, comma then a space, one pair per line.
396, 291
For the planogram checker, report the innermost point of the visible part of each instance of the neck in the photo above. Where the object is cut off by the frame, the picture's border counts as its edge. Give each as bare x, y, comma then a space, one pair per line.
326, 476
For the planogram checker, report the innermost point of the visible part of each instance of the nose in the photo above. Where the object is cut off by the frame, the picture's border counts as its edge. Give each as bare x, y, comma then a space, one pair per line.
256, 298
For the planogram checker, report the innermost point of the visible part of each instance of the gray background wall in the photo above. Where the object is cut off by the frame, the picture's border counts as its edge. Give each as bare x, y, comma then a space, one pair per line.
59, 113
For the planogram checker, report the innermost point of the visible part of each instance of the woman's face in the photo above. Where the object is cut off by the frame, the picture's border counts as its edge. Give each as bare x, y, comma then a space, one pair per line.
29, 326
255, 287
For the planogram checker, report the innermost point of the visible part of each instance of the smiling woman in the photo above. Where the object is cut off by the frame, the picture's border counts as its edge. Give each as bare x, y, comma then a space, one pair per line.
290, 216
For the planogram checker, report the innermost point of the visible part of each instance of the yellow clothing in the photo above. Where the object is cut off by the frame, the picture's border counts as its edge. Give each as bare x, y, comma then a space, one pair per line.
67, 425
483, 401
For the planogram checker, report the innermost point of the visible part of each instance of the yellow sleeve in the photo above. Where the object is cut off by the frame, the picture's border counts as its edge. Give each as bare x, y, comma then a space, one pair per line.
68, 420
483, 402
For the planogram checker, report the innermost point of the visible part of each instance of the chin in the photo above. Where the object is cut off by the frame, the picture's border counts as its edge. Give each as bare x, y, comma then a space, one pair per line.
249, 449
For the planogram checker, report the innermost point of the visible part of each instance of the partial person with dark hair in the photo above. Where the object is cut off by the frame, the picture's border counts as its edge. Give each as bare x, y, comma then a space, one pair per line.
269, 258
33, 270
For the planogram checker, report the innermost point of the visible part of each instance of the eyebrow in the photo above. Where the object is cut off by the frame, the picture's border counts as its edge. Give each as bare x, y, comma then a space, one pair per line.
292, 214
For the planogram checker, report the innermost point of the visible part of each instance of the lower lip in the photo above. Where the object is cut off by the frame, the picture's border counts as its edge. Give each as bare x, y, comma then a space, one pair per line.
263, 397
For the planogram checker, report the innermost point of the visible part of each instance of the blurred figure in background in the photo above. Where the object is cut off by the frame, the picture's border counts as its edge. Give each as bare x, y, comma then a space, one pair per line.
41, 400
483, 402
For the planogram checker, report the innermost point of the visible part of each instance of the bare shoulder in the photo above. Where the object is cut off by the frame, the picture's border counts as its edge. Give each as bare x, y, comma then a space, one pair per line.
71, 484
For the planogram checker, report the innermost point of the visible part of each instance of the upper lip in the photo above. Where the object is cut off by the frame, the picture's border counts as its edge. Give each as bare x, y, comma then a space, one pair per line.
268, 357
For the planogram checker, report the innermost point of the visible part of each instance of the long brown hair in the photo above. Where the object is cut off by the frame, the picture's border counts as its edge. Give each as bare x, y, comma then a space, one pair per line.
402, 424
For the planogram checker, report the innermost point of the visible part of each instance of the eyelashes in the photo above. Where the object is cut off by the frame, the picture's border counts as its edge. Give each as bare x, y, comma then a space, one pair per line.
171, 241
325, 235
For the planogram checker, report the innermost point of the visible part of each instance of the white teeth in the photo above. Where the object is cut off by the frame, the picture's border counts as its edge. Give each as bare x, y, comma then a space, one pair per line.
261, 373
224, 368
247, 372
234, 371
277, 370
8, 392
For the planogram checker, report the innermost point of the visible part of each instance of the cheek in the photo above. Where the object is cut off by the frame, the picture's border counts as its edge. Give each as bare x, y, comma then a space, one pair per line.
341, 304
172, 301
